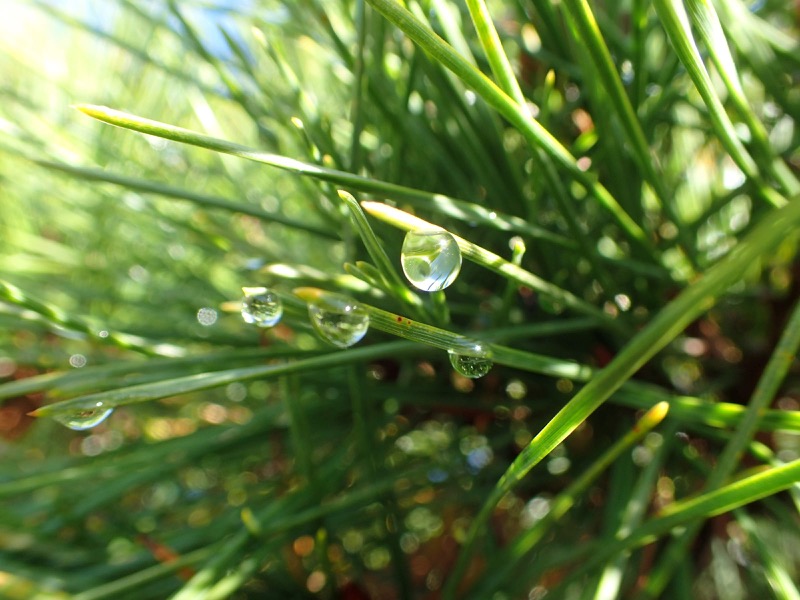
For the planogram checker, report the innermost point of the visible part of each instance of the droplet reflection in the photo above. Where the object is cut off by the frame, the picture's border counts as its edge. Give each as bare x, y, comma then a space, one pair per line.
261, 307
474, 362
84, 418
431, 260
338, 319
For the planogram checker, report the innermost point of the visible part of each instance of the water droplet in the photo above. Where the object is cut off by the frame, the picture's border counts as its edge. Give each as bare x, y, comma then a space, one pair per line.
206, 316
77, 360
474, 362
431, 260
261, 306
85, 418
338, 319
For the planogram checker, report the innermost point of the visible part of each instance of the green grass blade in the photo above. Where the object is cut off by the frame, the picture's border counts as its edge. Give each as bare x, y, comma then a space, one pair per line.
161, 189
676, 23
772, 377
695, 410
492, 46
561, 504
533, 131
58, 318
504, 73
493, 262
745, 491
447, 340
710, 30
438, 202
692, 302
387, 270
590, 37
204, 381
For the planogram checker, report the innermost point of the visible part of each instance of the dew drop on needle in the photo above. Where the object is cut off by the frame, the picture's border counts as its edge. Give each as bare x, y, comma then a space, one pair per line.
261, 306
431, 260
472, 363
84, 418
338, 319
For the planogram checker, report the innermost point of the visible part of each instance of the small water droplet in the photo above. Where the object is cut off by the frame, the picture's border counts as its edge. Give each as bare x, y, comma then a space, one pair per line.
474, 362
338, 319
85, 418
431, 260
206, 316
261, 306
77, 360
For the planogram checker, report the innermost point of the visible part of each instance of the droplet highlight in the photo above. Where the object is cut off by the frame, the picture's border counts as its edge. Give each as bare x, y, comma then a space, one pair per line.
473, 362
338, 319
85, 418
261, 306
431, 260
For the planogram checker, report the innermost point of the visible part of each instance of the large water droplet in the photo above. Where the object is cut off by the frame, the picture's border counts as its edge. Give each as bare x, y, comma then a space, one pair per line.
85, 418
338, 319
431, 260
261, 306
471, 362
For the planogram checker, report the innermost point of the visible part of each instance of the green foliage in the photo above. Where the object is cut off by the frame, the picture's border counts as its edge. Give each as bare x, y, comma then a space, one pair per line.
621, 182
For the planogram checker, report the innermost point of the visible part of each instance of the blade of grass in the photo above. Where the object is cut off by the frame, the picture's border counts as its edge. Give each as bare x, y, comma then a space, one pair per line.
533, 131
61, 319
388, 272
632, 513
356, 110
161, 189
493, 48
710, 504
776, 573
447, 340
503, 72
438, 202
708, 26
667, 324
204, 381
782, 358
589, 35
306, 273
57, 383
493, 262
695, 410
676, 24
524, 543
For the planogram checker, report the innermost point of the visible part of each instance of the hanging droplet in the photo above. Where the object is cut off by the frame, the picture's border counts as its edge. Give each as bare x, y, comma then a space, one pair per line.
472, 362
338, 319
261, 306
85, 418
431, 259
